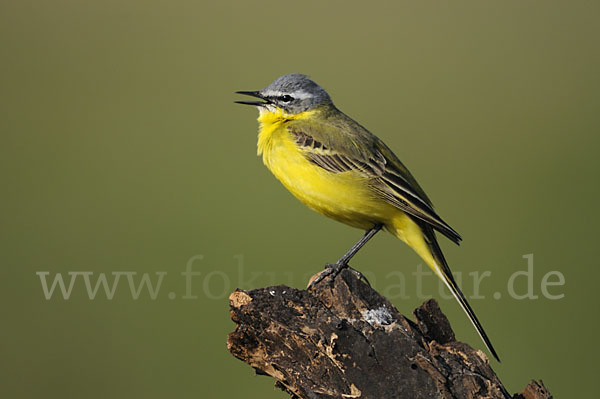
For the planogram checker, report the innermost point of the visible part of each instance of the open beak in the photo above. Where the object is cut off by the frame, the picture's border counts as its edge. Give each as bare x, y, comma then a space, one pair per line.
252, 94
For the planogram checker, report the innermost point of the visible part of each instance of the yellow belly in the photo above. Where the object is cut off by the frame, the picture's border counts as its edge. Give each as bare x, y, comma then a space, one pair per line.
345, 197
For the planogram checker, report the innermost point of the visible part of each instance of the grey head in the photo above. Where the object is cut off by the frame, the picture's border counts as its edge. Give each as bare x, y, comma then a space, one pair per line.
294, 93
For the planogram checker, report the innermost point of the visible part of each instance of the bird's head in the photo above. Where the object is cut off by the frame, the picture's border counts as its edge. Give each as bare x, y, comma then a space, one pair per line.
293, 93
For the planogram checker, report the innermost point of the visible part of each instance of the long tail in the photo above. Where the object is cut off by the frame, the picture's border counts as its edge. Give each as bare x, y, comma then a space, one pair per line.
443, 271
421, 237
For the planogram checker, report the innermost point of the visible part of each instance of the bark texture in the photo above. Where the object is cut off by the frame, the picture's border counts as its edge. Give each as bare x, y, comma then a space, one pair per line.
347, 341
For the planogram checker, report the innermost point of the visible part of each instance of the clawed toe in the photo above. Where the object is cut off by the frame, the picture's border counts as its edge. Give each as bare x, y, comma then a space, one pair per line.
331, 271
359, 275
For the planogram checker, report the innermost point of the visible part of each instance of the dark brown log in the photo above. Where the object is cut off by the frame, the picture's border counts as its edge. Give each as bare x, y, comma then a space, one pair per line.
347, 341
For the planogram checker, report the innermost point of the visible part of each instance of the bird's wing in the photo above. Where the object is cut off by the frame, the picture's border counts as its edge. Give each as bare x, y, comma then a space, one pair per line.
342, 145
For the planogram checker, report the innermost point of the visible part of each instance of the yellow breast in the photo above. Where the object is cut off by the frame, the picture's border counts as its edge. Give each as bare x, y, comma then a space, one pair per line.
345, 197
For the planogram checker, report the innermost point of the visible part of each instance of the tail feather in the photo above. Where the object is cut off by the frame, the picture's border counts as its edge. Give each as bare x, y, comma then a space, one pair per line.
420, 236
443, 271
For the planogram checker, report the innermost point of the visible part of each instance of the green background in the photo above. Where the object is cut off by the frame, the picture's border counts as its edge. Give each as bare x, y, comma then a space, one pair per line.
121, 150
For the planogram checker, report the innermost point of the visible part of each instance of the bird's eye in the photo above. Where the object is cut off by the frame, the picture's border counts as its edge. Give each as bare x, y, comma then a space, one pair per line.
286, 99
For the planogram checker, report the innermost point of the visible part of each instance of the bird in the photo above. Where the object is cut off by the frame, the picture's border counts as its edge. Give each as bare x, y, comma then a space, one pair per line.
338, 168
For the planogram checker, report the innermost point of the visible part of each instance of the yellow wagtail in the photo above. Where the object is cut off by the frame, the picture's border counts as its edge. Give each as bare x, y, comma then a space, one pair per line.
340, 169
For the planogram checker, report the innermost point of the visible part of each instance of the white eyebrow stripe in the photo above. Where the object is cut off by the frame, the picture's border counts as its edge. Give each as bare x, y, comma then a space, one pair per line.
272, 93
300, 95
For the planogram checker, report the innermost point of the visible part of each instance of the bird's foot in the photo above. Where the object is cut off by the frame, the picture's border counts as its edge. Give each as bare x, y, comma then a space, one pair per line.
359, 275
332, 270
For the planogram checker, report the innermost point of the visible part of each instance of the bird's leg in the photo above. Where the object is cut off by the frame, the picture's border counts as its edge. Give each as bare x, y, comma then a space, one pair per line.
342, 263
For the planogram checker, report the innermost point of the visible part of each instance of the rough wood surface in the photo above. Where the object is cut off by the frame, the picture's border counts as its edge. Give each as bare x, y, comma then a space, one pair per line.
347, 341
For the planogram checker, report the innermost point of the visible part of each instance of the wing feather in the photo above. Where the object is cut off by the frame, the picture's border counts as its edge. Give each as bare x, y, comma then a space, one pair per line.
344, 146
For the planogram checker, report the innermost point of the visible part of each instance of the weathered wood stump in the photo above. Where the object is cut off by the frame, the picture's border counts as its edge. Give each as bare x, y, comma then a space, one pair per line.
347, 341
